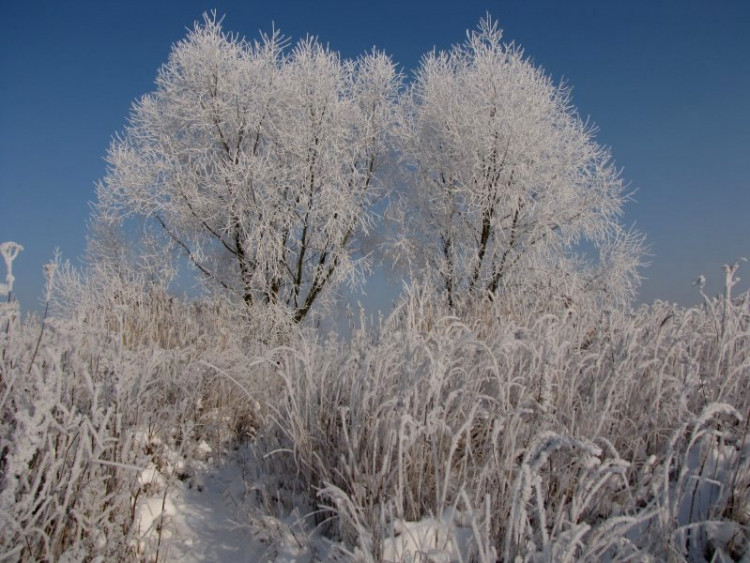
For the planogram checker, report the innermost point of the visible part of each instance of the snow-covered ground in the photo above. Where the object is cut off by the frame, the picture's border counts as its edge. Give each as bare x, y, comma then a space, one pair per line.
201, 517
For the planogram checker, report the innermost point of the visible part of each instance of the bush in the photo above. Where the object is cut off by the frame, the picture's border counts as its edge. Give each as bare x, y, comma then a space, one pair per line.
116, 377
576, 436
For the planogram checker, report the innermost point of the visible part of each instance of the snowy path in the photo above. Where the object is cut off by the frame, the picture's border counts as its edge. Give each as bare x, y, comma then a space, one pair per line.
204, 522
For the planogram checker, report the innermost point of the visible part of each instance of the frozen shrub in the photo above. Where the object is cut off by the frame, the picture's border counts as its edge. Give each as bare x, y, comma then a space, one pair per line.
118, 375
575, 435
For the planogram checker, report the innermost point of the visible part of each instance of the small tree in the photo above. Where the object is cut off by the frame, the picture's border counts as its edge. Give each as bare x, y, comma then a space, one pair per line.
257, 163
508, 184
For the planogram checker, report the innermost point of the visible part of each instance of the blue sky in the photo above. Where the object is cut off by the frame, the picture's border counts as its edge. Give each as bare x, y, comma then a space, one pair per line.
667, 83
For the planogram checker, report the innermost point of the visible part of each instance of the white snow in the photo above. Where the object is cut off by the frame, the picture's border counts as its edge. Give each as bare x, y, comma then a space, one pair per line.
431, 539
202, 518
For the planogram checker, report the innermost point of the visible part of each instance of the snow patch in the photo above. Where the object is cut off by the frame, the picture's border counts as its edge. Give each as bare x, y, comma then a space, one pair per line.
432, 540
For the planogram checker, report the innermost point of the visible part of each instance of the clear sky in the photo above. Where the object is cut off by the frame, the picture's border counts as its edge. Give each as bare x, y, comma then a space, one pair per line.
667, 83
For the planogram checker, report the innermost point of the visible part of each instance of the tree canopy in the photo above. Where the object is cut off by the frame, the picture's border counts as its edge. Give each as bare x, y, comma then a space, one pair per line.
260, 164
257, 162
508, 187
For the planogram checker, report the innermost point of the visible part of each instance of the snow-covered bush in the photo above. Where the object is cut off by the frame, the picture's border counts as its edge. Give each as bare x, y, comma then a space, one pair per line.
573, 435
578, 436
116, 378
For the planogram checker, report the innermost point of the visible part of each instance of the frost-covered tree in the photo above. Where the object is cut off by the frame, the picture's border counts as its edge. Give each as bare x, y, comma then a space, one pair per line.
257, 162
510, 193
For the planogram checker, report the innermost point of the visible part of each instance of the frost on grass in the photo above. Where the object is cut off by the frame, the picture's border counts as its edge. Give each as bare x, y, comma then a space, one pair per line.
9, 252
567, 436
438, 435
